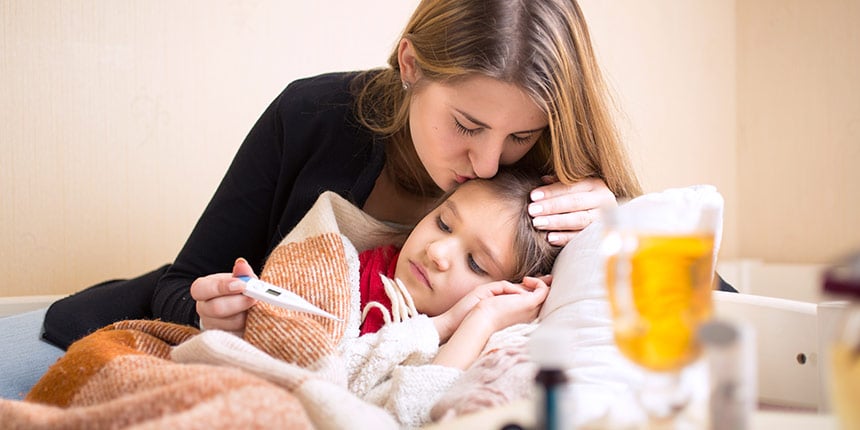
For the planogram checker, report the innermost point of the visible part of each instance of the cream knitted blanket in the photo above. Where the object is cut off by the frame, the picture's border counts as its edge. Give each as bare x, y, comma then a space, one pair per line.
285, 373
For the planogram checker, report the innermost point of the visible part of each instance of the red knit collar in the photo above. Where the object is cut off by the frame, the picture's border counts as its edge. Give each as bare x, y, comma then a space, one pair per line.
373, 262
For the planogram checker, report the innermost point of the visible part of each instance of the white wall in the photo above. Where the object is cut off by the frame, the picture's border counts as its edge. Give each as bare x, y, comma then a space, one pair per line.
799, 129
672, 65
118, 117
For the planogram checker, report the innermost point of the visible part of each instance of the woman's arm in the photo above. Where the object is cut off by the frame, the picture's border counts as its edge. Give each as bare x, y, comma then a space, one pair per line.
303, 144
236, 222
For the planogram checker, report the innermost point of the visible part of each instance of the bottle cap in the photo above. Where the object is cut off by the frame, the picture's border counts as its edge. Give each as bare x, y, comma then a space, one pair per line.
549, 347
844, 277
719, 334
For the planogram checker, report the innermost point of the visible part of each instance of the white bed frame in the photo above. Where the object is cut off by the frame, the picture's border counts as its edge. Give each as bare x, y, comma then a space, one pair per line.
788, 281
17, 304
800, 282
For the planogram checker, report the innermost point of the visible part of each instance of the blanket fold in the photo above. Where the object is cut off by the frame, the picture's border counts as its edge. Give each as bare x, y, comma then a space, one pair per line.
285, 373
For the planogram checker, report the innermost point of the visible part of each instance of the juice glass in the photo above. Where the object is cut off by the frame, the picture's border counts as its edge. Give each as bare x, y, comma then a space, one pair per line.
659, 274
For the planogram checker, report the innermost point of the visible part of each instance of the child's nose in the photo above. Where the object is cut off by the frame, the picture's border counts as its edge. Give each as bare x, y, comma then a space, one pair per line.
439, 252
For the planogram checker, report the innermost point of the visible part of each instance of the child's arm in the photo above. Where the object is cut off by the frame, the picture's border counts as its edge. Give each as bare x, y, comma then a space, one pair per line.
449, 321
371, 358
516, 304
395, 368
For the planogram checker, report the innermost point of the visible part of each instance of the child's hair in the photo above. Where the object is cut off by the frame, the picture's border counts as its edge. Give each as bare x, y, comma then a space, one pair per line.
534, 254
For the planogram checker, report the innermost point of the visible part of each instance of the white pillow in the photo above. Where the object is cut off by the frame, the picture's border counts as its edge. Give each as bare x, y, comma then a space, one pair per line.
578, 273
577, 314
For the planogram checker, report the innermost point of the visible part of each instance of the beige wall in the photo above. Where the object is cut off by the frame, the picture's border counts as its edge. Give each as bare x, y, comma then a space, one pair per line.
672, 66
118, 118
758, 97
799, 129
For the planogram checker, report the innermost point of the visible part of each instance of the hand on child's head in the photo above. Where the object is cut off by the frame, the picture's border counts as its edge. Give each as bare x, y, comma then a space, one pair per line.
564, 210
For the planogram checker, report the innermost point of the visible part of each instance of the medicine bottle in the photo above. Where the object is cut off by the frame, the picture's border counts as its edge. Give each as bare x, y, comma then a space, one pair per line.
552, 400
843, 281
730, 354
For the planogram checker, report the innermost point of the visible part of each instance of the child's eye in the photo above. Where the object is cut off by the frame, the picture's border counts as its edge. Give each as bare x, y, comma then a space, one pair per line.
441, 224
463, 130
475, 267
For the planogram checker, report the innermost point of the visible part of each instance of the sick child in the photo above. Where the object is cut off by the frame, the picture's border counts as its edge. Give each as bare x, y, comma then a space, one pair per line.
471, 267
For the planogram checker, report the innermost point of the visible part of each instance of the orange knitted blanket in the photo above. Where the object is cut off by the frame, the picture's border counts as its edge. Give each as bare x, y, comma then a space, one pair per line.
285, 373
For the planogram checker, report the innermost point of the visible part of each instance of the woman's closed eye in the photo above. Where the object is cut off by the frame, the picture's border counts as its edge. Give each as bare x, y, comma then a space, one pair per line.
462, 129
516, 138
522, 139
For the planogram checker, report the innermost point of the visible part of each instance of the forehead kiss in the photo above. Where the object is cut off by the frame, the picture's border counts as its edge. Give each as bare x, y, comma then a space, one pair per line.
467, 129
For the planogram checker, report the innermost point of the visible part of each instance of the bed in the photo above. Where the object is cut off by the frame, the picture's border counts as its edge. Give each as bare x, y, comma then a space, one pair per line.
150, 374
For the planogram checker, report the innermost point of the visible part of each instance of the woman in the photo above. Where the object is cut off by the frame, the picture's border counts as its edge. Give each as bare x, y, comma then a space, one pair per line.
472, 85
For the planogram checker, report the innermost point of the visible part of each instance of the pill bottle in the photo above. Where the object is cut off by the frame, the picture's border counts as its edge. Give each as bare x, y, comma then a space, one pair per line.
843, 281
553, 408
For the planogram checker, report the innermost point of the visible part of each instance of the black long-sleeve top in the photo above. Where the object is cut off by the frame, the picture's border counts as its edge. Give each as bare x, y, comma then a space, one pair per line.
307, 141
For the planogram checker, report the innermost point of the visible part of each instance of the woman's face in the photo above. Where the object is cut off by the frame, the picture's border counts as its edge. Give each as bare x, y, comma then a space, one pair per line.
465, 242
467, 129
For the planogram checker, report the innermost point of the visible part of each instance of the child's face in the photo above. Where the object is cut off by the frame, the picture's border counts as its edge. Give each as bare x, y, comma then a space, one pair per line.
466, 242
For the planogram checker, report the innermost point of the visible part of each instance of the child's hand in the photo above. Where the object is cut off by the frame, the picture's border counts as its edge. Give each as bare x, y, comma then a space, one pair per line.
518, 303
449, 321
220, 302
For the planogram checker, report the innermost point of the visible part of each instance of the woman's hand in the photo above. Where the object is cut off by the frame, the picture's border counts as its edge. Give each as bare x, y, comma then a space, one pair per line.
564, 210
220, 302
519, 304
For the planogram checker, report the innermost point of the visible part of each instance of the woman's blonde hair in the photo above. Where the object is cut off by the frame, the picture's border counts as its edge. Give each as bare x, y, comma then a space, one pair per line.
543, 47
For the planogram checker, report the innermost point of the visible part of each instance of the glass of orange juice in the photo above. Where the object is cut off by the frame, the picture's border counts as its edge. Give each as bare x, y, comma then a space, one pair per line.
659, 275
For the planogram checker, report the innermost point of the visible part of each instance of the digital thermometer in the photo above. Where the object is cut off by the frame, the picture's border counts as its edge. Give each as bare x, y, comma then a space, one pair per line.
277, 296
